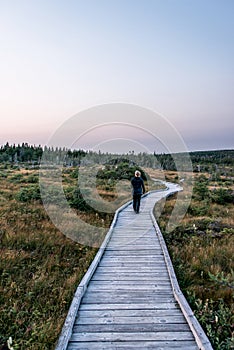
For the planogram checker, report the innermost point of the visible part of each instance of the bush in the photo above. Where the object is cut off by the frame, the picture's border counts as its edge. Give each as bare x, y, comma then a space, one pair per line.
77, 201
222, 196
32, 178
199, 208
29, 193
217, 320
17, 178
200, 189
75, 173
121, 171
3, 175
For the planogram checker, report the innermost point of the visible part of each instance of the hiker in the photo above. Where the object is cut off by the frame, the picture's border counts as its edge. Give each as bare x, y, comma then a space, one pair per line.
138, 188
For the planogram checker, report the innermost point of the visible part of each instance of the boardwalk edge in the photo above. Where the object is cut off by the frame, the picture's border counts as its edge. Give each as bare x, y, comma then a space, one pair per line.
198, 332
80, 291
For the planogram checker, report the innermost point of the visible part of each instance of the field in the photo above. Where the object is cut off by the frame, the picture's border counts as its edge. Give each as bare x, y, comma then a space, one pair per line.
40, 267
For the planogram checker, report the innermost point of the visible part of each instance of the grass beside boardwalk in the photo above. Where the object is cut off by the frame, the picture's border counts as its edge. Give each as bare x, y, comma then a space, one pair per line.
39, 267
202, 250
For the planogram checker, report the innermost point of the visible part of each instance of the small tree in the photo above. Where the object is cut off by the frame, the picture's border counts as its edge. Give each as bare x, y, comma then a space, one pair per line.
200, 188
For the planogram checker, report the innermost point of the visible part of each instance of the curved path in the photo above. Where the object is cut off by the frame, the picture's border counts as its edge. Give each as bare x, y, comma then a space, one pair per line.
129, 297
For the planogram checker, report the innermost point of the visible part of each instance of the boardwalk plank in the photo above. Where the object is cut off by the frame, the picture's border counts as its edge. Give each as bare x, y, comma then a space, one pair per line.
160, 314
110, 288
130, 306
139, 345
121, 299
129, 283
133, 259
137, 278
132, 327
82, 319
136, 336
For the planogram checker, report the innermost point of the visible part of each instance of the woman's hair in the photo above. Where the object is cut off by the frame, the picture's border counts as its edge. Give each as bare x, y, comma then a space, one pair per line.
137, 173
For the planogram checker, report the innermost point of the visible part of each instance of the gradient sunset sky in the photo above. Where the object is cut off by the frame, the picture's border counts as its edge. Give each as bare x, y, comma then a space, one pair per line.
174, 57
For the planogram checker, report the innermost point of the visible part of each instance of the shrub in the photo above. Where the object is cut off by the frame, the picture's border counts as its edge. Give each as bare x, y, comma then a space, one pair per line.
200, 190
217, 320
32, 178
74, 173
29, 193
77, 201
120, 171
3, 175
222, 196
16, 178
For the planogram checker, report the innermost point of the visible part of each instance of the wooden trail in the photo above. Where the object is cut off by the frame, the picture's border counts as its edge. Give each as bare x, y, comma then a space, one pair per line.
129, 297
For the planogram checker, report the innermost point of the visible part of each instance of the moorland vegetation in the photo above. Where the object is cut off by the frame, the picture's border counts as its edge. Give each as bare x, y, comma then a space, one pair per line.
40, 268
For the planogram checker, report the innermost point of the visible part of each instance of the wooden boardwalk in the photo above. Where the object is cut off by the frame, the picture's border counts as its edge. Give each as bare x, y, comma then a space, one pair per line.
129, 297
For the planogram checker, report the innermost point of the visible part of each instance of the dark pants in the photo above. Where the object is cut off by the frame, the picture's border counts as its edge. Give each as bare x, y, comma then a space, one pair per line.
136, 202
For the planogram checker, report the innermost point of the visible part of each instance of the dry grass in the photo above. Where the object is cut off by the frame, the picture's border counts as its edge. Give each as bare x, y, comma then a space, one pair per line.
40, 268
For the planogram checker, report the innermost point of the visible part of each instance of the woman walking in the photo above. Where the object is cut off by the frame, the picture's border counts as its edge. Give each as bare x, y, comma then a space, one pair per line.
138, 188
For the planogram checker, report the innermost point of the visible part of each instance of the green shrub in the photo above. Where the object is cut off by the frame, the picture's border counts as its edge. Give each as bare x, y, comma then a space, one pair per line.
199, 208
217, 320
222, 196
74, 173
77, 201
16, 178
3, 175
120, 171
32, 178
200, 189
29, 193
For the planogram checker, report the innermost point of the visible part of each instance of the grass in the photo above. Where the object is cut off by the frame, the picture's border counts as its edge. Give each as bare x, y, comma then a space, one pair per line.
40, 268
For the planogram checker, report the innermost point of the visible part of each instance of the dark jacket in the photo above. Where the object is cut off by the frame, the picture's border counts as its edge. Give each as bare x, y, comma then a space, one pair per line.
137, 185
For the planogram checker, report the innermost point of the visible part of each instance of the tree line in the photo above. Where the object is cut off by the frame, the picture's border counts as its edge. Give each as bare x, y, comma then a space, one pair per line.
25, 153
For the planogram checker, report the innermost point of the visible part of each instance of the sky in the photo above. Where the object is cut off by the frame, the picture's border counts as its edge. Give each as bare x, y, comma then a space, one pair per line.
174, 57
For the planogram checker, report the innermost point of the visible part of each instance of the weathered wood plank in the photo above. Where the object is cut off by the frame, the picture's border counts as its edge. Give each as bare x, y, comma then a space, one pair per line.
110, 288
82, 319
129, 283
123, 292
131, 327
119, 253
137, 277
130, 306
162, 314
141, 249
131, 264
140, 268
136, 336
134, 258
132, 255
132, 345
127, 298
